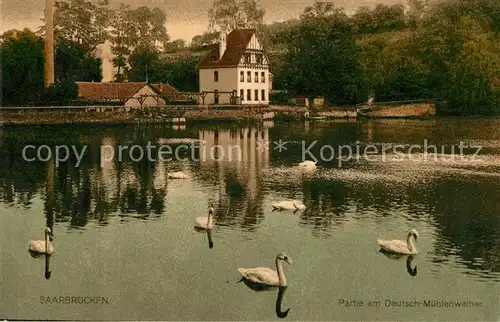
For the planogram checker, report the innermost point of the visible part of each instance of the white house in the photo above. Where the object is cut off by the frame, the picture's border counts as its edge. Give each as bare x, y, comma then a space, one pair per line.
236, 72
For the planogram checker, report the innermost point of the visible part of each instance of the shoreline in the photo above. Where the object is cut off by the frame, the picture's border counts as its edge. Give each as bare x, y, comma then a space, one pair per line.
97, 115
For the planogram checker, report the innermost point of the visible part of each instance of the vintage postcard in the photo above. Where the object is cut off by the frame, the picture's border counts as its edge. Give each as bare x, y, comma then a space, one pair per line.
250, 160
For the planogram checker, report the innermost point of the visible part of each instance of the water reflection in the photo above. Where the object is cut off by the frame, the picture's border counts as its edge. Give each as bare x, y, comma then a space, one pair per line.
47, 262
234, 160
258, 287
279, 300
244, 179
209, 237
409, 261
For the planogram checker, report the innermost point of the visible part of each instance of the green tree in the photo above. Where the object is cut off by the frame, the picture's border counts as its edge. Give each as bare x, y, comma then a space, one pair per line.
145, 65
61, 92
231, 14
175, 46
207, 38
73, 63
121, 42
322, 57
471, 89
182, 73
149, 28
133, 31
22, 67
82, 22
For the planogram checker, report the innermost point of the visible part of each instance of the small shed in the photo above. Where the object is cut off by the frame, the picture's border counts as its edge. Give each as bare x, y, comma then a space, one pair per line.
130, 94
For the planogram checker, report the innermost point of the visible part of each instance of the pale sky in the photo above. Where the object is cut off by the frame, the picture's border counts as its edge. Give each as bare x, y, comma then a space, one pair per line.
185, 18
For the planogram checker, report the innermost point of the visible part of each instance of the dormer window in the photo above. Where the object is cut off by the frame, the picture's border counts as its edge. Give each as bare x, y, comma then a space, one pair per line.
248, 58
260, 59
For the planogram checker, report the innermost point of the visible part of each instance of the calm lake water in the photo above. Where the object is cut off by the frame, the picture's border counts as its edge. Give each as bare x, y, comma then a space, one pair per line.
124, 233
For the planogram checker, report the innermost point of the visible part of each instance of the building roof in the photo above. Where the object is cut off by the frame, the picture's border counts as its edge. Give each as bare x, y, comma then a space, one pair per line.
164, 88
97, 91
236, 43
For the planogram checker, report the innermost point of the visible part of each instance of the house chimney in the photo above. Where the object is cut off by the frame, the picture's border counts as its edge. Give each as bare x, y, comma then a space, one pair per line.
222, 43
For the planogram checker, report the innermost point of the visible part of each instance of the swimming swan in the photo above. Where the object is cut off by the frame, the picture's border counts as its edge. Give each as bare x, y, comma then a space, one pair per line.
43, 246
267, 276
308, 164
177, 175
399, 246
205, 222
289, 205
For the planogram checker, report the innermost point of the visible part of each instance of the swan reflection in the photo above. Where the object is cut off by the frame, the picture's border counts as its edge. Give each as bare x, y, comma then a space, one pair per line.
409, 260
209, 236
411, 271
47, 271
279, 300
257, 287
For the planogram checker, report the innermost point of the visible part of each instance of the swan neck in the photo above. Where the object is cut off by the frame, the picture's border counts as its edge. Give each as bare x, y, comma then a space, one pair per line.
411, 244
281, 273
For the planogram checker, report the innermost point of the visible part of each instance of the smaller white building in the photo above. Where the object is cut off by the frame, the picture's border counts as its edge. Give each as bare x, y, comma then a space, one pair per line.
132, 94
236, 71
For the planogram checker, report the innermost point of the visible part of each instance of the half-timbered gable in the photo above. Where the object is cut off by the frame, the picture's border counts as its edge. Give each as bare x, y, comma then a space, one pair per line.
236, 71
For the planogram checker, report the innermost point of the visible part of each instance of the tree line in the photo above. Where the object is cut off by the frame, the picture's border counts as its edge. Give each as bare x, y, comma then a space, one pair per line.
443, 50
426, 49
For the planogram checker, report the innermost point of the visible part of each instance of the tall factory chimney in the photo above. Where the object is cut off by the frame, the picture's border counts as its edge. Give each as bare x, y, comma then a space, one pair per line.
49, 43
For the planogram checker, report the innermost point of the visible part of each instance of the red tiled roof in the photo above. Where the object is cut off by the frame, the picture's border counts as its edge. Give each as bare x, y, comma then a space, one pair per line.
107, 91
237, 41
164, 88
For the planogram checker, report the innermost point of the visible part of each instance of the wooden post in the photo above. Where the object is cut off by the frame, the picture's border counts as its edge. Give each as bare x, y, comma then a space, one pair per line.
49, 43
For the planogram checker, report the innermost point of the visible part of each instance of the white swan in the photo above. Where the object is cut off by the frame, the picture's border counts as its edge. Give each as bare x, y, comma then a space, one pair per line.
267, 276
400, 246
289, 205
205, 222
43, 246
177, 175
308, 164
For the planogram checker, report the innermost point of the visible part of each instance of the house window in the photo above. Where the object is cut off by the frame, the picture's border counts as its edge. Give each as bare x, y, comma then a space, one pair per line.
256, 95
242, 76
256, 77
241, 94
216, 76
259, 59
249, 95
249, 76
263, 77
263, 92
248, 58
